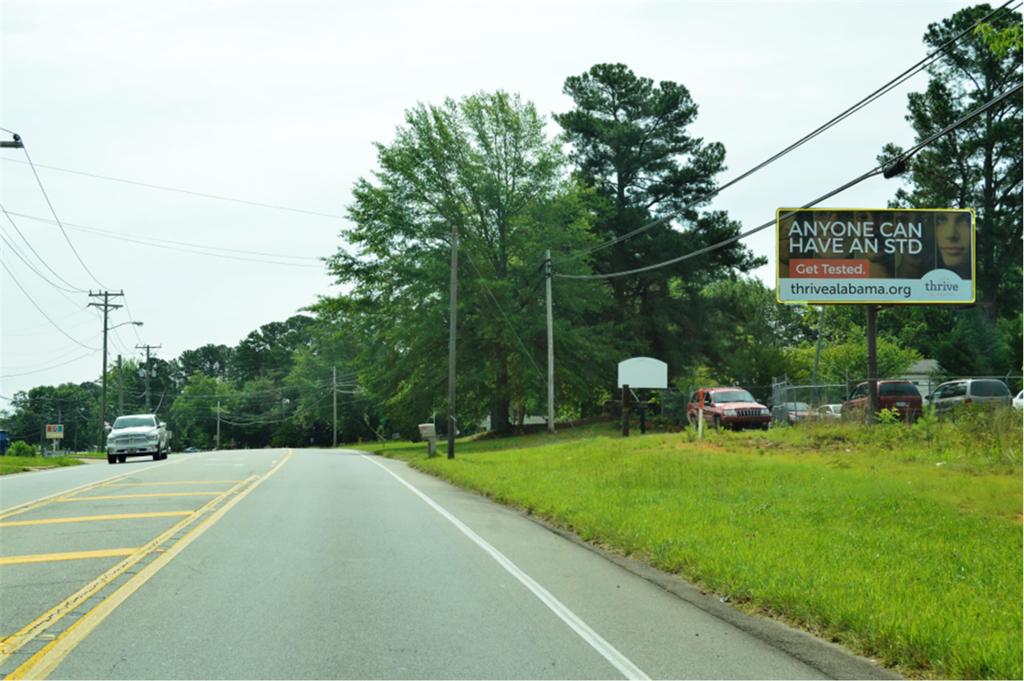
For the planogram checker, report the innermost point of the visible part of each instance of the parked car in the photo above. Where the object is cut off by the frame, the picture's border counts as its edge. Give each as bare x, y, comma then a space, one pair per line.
729, 408
953, 394
1018, 401
792, 412
903, 396
830, 411
190, 450
137, 435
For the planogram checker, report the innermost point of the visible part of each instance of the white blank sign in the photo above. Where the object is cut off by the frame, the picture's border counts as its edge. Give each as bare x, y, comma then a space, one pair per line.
643, 372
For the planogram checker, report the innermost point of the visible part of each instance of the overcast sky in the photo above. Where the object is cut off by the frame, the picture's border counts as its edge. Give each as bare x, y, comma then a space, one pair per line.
280, 103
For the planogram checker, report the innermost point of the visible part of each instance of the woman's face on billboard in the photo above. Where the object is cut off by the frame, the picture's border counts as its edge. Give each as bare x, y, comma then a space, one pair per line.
953, 238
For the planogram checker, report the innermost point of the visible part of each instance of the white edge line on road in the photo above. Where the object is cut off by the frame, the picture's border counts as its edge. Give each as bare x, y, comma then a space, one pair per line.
603, 647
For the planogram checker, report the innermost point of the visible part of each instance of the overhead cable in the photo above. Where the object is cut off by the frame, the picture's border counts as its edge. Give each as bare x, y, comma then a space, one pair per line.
190, 192
53, 366
14, 249
187, 247
887, 87
28, 243
508, 321
878, 170
49, 203
36, 305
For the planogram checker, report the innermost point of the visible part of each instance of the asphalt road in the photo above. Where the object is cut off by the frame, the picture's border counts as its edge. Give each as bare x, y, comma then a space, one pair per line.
334, 564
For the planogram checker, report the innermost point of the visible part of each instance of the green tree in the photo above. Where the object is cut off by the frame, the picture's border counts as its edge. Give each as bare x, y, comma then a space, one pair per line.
267, 351
209, 359
847, 360
977, 166
194, 411
630, 144
334, 347
483, 166
76, 406
744, 333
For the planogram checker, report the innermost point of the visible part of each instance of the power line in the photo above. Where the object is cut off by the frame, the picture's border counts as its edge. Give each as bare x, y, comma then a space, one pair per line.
154, 242
115, 234
508, 321
189, 192
39, 257
890, 169
60, 351
887, 87
54, 212
259, 421
131, 318
36, 305
14, 249
41, 326
53, 366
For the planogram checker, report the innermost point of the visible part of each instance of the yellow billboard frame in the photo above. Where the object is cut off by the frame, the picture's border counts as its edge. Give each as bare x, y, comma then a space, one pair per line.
818, 209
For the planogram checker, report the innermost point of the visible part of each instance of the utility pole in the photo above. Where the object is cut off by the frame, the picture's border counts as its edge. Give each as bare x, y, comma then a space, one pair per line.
452, 320
106, 306
120, 387
551, 346
16, 144
218, 425
147, 348
334, 394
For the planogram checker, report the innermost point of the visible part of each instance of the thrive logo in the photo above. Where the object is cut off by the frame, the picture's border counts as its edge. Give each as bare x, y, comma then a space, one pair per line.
941, 286
944, 285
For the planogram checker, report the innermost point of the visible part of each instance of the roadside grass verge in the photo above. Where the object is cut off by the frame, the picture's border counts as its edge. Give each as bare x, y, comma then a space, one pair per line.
19, 464
903, 543
89, 455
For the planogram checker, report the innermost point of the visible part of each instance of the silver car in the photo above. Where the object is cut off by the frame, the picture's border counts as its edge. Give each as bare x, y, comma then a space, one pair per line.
952, 394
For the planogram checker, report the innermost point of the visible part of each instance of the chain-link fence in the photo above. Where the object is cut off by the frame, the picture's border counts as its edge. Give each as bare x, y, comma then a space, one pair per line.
791, 403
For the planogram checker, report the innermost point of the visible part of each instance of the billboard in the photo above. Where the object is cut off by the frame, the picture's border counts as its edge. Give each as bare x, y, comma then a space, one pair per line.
54, 431
875, 256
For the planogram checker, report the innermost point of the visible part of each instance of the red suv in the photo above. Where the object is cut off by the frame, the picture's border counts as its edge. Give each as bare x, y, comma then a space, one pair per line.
902, 396
729, 408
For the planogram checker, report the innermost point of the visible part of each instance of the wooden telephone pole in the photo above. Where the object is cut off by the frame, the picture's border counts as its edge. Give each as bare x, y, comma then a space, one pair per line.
106, 306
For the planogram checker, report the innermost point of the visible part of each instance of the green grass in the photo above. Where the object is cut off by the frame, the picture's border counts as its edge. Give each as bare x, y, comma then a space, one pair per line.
19, 464
900, 542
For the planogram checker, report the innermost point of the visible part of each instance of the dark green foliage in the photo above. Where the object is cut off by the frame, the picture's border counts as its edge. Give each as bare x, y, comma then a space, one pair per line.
482, 165
978, 166
630, 145
76, 406
21, 448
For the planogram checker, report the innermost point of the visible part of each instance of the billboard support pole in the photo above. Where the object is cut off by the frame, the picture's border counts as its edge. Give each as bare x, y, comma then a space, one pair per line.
872, 338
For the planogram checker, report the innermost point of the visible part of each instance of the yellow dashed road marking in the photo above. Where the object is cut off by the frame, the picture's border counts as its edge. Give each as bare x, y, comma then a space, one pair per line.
30, 505
173, 482
90, 518
70, 555
42, 664
38, 626
139, 496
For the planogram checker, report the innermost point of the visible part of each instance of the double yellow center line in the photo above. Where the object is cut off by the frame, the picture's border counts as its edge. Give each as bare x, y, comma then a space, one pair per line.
44, 661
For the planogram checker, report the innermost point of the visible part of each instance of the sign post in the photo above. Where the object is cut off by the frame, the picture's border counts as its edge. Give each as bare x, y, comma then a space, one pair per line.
640, 372
55, 432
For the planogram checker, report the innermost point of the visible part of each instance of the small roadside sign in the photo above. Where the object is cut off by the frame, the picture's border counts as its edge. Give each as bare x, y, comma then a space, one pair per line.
54, 431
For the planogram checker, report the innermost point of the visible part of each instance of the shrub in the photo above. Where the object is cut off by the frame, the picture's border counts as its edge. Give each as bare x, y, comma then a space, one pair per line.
21, 448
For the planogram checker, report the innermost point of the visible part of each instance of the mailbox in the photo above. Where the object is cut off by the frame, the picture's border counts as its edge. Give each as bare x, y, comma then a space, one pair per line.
429, 433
